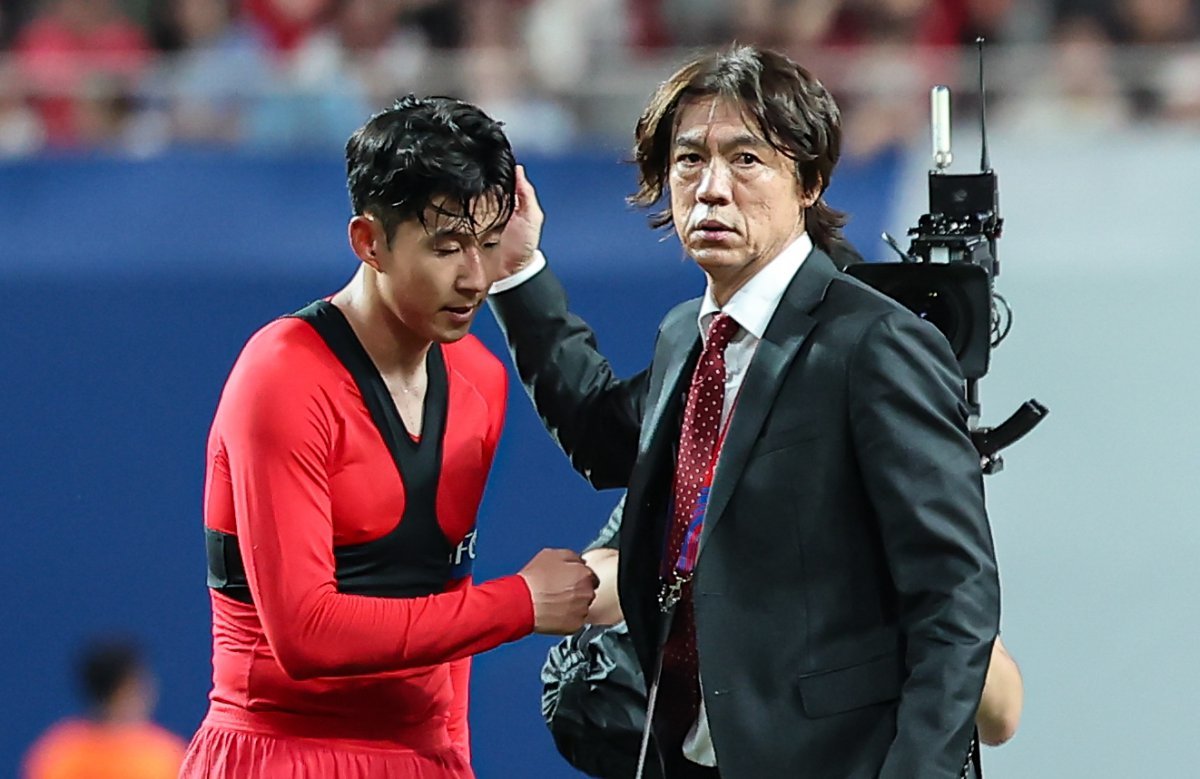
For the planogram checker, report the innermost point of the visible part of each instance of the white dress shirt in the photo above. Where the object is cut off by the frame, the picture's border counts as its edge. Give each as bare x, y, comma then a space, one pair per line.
520, 277
752, 307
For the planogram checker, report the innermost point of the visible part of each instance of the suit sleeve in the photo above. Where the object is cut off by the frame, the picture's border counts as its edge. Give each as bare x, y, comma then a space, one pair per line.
592, 414
277, 431
923, 478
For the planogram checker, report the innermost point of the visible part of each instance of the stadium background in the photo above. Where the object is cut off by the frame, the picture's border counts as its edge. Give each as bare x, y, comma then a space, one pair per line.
187, 193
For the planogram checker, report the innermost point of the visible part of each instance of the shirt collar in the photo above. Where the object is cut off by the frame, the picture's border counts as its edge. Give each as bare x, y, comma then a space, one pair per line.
754, 304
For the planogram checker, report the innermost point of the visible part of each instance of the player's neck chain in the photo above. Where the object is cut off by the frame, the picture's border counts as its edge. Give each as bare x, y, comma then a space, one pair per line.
413, 387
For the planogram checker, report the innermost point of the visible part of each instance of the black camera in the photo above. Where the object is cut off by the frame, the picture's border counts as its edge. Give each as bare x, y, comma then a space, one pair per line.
947, 275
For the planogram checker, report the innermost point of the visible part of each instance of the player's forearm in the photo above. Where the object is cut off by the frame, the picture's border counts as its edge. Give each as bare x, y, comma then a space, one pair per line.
332, 634
1003, 697
606, 608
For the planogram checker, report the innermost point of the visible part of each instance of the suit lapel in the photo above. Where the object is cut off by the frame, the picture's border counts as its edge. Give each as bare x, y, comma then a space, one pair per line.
678, 348
677, 351
786, 333
642, 533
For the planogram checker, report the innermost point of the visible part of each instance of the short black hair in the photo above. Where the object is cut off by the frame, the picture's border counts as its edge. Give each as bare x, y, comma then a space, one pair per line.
406, 159
105, 665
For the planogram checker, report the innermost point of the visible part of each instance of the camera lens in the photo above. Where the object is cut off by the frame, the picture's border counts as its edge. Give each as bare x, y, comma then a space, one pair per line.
944, 308
954, 297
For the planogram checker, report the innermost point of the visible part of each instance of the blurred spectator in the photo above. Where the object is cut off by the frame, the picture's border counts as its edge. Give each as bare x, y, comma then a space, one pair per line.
1152, 23
282, 74
887, 105
285, 24
532, 121
492, 24
217, 69
523, 60
1003, 21
21, 132
1180, 85
891, 52
1156, 21
569, 41
645, 25
787, 24
700, 22
908, 22
108, 117
803, 24
1079, 89
68, 43
366, 49
117, 740
440, 21
321, 88
13, 16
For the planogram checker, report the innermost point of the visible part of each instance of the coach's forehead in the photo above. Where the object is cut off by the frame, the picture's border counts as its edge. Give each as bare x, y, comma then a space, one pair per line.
715, 118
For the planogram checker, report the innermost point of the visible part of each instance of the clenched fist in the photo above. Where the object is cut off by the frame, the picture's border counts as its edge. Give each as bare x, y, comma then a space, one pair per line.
563, 588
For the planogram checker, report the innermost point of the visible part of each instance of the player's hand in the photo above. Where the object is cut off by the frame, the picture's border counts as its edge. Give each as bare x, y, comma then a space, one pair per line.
562, 587
524, 231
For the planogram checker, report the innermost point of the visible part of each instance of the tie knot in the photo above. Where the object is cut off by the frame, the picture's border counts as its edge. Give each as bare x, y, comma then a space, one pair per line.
720, 332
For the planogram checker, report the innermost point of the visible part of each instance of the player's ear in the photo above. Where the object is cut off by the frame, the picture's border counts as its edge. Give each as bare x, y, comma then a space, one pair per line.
367, 239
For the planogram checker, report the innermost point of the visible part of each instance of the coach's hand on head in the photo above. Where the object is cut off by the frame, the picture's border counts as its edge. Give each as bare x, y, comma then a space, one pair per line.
562, 587
524, 229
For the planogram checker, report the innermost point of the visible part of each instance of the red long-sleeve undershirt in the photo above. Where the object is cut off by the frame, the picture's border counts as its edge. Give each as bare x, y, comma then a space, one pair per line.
296, 467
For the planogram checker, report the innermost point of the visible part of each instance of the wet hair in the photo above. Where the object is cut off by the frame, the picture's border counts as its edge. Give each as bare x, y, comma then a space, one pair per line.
431, 152
107, 665
791, 109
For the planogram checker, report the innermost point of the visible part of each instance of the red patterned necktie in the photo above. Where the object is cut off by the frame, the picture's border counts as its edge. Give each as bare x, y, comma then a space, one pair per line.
698, 442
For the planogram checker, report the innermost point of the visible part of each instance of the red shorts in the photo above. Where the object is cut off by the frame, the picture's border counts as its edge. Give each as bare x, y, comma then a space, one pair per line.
225, 750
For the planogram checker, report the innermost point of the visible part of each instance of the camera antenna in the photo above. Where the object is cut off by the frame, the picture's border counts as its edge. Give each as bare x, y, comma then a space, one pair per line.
984, 163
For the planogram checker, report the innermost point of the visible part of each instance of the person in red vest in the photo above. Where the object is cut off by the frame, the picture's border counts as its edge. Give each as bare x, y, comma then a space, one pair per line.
346, 463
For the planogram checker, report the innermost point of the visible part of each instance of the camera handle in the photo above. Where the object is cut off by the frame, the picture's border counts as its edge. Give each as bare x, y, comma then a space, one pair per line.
990, 440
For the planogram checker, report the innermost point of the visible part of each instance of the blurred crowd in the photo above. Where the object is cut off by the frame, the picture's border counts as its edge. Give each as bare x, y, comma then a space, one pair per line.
138, 76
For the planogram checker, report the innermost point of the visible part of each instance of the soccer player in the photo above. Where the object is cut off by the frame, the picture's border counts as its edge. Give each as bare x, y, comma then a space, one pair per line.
346, 463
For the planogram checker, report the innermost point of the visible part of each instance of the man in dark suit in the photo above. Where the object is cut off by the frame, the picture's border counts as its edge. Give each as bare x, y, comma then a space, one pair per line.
806, 565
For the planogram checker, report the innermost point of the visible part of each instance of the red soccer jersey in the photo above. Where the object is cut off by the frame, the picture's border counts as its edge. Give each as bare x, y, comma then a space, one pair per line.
296, 468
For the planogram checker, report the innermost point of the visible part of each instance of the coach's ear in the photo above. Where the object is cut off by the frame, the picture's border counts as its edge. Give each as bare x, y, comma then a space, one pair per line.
367, 239
809, 195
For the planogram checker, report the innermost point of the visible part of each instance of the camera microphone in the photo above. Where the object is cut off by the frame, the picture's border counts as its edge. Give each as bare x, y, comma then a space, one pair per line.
939, 104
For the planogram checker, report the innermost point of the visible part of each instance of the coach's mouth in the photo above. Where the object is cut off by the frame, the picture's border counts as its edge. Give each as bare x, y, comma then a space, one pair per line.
712, 230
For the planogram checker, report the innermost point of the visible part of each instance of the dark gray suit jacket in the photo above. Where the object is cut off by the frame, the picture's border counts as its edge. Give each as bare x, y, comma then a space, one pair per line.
846, 596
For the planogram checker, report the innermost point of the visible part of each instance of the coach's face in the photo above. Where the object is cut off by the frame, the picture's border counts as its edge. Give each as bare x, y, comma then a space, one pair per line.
736, 201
